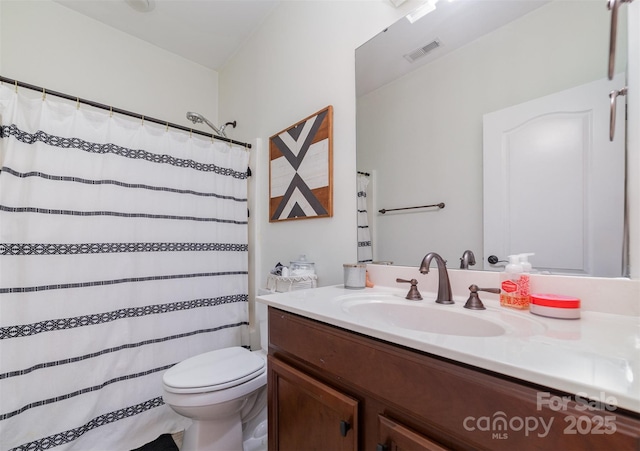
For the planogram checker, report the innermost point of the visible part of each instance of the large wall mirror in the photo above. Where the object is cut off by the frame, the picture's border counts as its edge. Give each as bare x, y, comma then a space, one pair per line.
437, 95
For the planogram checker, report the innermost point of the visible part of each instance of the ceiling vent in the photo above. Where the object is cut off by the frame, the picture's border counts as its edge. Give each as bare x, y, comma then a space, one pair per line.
422, 51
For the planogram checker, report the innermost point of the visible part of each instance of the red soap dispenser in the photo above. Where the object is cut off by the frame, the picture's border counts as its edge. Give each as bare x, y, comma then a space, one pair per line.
514, 285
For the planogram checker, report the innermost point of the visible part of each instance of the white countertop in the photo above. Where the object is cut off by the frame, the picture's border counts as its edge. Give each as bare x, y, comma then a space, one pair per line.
595, 357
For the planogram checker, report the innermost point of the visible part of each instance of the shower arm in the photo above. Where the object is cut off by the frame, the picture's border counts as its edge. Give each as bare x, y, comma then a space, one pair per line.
215, 129
198, 118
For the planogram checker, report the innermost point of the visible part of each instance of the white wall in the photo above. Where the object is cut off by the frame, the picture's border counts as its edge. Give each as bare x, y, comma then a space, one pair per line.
298, 62
301, 60
423, 132
46, 44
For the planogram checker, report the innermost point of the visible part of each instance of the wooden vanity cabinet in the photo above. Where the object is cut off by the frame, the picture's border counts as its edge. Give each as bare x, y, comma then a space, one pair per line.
332, 389
309, 412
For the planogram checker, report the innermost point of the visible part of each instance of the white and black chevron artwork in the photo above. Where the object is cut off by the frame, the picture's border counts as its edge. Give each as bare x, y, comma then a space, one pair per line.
300, 169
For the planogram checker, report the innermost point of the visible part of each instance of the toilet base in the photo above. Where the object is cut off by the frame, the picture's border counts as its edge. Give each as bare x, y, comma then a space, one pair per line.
254, 432
220, 435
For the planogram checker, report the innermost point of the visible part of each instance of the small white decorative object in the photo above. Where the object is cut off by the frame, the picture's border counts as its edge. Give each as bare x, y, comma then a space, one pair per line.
355, 275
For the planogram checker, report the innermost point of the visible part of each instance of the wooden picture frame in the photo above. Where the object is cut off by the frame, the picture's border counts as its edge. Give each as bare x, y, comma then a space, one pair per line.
301, 169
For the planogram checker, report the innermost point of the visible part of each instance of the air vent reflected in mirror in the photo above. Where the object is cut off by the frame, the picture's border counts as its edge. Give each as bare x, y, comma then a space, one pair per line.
422, 51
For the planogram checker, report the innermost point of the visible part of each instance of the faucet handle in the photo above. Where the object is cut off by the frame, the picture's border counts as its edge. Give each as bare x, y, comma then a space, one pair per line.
413, 294
474, 302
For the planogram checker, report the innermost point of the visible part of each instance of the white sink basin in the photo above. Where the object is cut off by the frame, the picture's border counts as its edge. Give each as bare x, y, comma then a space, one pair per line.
420, 316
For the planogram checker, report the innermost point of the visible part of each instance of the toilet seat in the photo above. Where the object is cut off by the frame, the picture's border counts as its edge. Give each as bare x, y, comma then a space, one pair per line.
214, 371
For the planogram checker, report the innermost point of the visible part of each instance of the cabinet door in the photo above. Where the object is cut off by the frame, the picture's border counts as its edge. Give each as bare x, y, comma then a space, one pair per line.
394, 436
305, 414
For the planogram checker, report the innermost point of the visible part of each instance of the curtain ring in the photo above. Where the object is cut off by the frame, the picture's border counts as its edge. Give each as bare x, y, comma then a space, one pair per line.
44, 94
190, 133
110, 111
77, 103
16, 86
167, 130
142, 123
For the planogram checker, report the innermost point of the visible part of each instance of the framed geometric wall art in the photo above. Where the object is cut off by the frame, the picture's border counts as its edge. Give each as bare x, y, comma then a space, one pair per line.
300, 169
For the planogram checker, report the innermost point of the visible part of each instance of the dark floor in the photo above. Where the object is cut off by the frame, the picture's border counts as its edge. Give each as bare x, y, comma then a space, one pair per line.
163, 443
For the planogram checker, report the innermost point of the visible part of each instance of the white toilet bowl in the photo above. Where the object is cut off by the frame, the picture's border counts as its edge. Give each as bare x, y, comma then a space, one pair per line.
219, 390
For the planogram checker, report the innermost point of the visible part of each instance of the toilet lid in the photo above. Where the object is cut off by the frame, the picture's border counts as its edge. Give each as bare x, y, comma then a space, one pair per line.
215, 370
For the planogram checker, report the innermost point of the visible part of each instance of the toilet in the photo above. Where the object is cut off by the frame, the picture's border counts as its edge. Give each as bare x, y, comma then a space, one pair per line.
224, 393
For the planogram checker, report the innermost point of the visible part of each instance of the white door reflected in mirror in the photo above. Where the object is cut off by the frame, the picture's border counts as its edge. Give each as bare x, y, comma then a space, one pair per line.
554, 183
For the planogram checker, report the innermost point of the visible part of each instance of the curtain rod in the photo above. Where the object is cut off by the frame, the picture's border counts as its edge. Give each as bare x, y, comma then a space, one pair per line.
109, 108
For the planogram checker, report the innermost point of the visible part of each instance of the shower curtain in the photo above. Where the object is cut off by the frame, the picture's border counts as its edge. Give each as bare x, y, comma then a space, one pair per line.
365, 253
123, 250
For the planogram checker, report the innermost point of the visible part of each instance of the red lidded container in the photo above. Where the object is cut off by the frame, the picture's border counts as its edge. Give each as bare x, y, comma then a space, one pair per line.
555, 306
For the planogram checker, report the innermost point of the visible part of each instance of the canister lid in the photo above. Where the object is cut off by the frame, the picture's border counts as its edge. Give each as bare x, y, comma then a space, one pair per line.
555, 301
302, 266
302, 261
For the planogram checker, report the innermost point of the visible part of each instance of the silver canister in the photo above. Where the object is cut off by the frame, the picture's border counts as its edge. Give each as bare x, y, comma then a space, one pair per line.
355, 275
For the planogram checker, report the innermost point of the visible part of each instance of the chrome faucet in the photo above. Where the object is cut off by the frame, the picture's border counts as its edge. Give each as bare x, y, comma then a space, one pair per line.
467, 259
444, 287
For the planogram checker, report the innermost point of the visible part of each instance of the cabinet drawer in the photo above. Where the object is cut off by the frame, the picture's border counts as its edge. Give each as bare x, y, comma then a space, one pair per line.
394, 436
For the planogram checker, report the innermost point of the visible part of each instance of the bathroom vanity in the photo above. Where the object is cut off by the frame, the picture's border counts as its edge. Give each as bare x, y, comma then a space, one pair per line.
346, 375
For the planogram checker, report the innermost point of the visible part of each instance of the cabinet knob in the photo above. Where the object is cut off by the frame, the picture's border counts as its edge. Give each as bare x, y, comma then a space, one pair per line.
344, 428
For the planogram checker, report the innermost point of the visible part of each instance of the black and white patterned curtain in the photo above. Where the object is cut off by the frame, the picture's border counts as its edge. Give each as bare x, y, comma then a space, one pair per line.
365, 252
123, 250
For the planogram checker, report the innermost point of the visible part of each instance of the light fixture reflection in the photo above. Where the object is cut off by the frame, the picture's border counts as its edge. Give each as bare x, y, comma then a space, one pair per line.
421, 11
142, 6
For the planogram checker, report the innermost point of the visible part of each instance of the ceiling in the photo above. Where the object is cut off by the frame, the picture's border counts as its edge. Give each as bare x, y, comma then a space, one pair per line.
453, 24
208, 32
